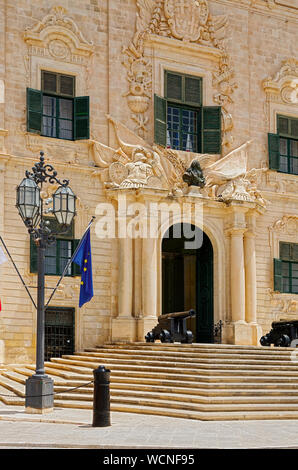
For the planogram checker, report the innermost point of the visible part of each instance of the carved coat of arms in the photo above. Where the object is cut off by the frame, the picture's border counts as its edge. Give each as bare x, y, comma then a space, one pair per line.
187, 18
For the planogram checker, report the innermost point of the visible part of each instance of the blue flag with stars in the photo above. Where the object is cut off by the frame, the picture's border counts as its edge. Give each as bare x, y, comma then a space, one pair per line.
84, 260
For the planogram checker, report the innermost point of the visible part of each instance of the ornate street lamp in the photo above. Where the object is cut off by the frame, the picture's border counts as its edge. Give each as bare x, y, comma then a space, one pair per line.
40, 387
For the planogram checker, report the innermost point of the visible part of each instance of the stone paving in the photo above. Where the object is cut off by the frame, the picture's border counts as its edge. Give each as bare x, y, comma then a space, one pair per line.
69, 428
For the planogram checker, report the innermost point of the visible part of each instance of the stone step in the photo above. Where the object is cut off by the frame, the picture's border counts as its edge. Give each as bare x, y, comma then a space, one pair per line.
195, 347
198, 353
188, 406
201, 363
240, 370
202, 416
56, 374
185, 392
182, 375
190, 358
87, 394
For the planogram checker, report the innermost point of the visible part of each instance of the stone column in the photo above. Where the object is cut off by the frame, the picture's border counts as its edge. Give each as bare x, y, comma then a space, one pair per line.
125, 277
237, 276
251, 279
124, 325
149, 287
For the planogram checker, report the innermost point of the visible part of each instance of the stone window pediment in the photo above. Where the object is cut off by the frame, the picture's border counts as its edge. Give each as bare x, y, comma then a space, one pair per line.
58, 36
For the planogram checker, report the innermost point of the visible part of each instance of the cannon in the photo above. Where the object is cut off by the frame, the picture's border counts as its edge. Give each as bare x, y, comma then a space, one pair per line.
283, 333
172, 327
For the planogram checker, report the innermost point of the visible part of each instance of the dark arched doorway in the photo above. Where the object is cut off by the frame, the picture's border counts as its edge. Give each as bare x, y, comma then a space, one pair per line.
187, 279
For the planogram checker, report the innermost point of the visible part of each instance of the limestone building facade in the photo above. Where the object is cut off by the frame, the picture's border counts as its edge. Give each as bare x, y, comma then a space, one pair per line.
123, 96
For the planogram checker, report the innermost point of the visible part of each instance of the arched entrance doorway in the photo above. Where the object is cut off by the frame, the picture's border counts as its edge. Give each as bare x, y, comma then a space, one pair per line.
187, 278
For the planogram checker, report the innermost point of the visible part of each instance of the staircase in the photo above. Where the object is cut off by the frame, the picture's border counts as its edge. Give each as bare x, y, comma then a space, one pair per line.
197, 381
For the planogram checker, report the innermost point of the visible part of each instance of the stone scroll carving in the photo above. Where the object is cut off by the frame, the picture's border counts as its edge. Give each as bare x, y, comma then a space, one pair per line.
58, 36
283, 87
188, 21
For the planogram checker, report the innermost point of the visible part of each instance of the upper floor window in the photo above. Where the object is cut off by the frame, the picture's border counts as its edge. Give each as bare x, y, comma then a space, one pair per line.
55, 111
283, 146
181, 122
286, 269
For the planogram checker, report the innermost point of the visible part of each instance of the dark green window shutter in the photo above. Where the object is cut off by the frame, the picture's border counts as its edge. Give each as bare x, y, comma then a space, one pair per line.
174, 86
193, 91
33, 256
81, 118
285, 250
294, 128
160, 121
211, 129
34, 110
273, 146
287, 126
294, 252
75, 267
283, 125
278, 275
49, 82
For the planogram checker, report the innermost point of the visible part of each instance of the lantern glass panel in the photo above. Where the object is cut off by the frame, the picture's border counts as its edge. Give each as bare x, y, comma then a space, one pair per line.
28, 200
64, 205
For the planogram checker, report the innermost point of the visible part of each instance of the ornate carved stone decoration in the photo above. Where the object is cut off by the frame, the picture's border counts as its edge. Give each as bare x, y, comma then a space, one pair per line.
186, 20
284, 86
58, 36
282, 304
229, 178
136, 164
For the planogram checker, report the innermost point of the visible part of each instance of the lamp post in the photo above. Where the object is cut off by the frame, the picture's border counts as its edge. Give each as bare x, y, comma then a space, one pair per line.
39, 387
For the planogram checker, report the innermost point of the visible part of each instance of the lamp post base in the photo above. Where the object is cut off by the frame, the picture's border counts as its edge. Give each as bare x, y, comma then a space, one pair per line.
39, 394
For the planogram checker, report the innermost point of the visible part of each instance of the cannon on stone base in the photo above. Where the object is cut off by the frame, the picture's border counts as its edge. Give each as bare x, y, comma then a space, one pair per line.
171, 327
283, 333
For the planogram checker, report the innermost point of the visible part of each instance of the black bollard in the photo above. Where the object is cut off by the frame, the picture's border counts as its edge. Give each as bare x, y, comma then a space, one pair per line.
101, 397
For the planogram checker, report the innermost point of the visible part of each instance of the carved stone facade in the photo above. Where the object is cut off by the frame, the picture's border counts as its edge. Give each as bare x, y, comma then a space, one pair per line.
244, 52
189, 21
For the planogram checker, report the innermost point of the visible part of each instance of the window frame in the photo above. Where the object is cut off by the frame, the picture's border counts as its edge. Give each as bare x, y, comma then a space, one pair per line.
182, 107
65, 237
286, 260
274, 141
209, 118
57, 117
58, 258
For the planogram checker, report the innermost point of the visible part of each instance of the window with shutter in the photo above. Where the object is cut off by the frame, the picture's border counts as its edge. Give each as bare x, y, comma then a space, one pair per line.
180, 117
286, 269
283, 146
57, 254
55, 111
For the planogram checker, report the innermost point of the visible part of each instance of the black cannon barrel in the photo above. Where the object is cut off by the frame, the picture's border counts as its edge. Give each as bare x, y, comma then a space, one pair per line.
186, 314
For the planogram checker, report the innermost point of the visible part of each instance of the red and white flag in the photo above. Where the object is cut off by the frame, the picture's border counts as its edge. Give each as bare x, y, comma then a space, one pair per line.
2, 260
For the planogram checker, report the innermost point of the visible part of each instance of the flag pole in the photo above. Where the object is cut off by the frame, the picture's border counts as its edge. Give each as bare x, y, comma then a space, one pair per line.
19, 274
70, 261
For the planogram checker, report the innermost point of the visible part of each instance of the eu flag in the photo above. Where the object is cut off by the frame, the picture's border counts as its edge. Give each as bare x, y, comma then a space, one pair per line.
84, 260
